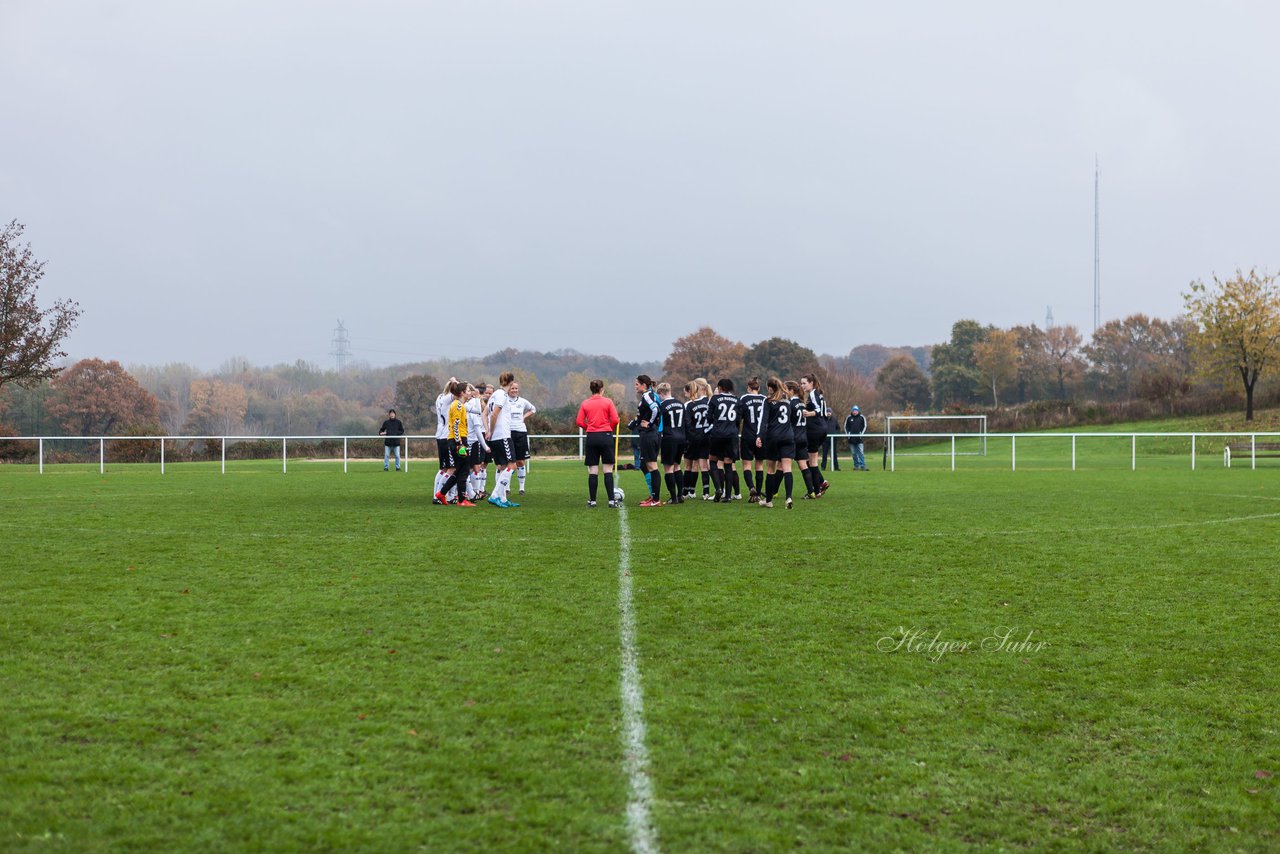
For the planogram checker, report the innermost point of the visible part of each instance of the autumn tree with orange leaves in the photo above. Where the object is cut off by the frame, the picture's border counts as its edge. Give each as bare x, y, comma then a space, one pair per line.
97, 398
1237, 328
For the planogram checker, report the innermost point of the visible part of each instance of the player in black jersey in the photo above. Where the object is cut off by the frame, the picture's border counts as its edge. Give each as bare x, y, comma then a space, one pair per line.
750, 411
696, 424
649, 427
673, 441
776, 440
800, 428
723, 441
816, 415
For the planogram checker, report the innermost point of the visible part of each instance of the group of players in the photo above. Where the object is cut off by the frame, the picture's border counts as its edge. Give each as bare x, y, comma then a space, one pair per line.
703, 436
475, 425
706, 434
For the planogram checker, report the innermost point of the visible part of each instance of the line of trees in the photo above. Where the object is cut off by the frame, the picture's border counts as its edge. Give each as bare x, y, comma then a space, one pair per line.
1226, 340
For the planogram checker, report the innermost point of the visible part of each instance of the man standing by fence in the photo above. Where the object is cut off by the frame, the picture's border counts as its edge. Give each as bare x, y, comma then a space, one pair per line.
393, 429
855, 425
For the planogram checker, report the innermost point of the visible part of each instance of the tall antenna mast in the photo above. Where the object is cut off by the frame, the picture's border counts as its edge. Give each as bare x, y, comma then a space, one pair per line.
341, 346
1097, 267
1048, 317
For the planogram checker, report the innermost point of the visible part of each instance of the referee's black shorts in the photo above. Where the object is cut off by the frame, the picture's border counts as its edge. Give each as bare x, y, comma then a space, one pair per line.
598, 448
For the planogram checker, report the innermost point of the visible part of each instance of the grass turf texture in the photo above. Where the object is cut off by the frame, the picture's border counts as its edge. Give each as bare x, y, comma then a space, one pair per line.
317, 660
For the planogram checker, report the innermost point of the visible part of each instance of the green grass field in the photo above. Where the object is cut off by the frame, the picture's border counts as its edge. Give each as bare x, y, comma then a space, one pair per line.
317, 661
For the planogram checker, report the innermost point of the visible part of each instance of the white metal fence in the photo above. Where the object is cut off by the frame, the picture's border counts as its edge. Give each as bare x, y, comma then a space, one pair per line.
1252, 446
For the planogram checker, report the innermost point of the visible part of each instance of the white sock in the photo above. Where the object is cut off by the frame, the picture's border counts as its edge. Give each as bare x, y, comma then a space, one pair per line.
504, 483
520, 474
440, 479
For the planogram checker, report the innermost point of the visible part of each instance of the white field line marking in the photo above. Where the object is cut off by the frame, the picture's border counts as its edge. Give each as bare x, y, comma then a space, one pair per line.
1073, 531
635, 755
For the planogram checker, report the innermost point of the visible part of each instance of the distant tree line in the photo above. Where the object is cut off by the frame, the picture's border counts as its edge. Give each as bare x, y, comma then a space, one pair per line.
1218, 352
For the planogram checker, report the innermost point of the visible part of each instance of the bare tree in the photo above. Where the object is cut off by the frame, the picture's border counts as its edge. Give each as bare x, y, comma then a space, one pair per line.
29, 337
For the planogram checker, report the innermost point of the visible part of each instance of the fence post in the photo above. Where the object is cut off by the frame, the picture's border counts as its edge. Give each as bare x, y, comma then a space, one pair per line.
893, 460
284, 454
1193, 451
344, 454
102, 456
41, 455
1073, 451
1134, 465
406, 454
582, 453
1253, 450
1013, 440
162, 455
223, 445
953, 451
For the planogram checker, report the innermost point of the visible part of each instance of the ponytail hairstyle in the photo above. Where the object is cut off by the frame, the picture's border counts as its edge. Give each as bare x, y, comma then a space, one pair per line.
597, 386
704, 387
664, 389
793, 387
813, 381
777, 391
458, 389
753, 384
689, 389
725, 384
645, 380
506, 379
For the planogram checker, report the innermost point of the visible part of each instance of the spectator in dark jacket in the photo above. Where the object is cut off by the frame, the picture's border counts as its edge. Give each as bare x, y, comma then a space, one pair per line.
855, 425
393, 429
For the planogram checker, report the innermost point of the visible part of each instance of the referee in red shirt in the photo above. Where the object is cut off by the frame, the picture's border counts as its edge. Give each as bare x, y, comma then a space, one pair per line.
599, 418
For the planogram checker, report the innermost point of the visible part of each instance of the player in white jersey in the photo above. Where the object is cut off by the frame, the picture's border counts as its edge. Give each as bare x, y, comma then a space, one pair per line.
500, 438
442, 441
520, 407
476, 409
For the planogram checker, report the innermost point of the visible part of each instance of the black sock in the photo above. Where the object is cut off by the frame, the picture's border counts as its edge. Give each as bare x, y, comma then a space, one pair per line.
771, 485
655, 485
706, 482
593, 482
608, 486
717, 479
759, 473
733, 481
788, 481
672, 487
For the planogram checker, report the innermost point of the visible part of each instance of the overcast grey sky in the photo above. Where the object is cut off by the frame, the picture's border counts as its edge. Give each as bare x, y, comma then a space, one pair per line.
213, 179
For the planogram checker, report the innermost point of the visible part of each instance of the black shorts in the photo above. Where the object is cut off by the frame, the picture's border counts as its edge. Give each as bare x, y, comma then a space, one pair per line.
697, 450
749, 450
649, 446
816, 439
461, 453
478, 456
672, 451
446, 453
723, 449
501, 451
780, 450
520, 444
598, 448
801, 443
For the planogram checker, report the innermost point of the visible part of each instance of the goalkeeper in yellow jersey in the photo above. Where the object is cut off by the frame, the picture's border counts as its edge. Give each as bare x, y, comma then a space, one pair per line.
456, 434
